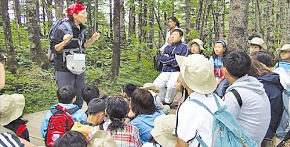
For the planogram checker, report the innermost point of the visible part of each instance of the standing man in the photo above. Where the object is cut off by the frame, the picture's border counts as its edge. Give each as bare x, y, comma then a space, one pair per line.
173, 23
170, 71
67, 44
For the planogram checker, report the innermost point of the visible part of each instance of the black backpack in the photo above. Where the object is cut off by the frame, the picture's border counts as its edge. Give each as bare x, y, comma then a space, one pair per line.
157, 63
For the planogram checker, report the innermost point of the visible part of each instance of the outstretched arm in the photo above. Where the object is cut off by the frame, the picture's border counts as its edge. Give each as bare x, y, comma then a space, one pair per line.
95, 37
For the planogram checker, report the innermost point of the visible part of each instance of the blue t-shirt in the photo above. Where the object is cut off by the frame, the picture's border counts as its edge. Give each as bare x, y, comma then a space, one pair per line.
285, 65
217, 64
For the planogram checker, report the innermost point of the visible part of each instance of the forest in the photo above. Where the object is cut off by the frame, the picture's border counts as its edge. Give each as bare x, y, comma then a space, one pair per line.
131, 33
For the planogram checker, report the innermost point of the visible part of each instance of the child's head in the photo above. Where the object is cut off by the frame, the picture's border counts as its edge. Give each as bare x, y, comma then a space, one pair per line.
236, 64
196, 46
142, 102
220, 48
66, 94
257, 44
176, 35
284, 52
117, 109
90, 92
96, 110
127, 90
264, 58
71, 139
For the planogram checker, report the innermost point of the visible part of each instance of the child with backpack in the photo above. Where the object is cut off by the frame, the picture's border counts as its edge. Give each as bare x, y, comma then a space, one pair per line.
61, 117
96, 115
202, 119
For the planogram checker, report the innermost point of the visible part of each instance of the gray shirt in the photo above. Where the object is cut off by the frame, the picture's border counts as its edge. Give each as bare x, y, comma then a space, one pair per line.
254, 115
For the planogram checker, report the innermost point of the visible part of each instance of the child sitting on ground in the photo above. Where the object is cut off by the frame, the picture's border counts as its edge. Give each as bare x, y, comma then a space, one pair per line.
66, 97
96, 114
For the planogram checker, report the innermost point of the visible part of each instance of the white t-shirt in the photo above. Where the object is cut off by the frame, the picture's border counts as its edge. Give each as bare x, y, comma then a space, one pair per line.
192, 117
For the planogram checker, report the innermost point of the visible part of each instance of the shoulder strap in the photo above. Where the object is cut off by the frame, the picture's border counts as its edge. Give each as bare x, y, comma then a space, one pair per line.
101, 126
68, 27
73, 110
21, 129
238, 97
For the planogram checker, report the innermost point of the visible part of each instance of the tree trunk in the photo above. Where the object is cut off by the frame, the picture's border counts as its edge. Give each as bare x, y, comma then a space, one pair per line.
140, 25
89, 21
17, 12
187, 19
132, 25
58, 9
96, 12
203, 33
198, 17
122, 23
150, 39
116, 45
285, 24
111, 21
238, 25
37, 55
270, 26
47, 4
258, 18
219, 15
12, 63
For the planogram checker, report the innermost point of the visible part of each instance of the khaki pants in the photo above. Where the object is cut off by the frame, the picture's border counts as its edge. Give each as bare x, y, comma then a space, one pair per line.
276, 141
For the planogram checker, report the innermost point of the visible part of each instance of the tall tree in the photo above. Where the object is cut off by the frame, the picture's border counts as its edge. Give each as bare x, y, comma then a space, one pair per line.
218, 15
115, 66
47, 5
58, 9
187, 19
12, 64
238, 25
96, 13
37, 55
285, 22
198, 16
150, 39
204, 21
17, 12
122, 22
111, 19
132, 22
269, 18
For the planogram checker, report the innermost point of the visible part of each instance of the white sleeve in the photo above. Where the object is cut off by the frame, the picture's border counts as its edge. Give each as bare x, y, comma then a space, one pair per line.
232, 104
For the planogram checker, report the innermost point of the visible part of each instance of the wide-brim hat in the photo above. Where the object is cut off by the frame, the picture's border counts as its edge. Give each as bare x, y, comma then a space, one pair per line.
285, 47
198, 41
163, 128
260, 42
197, 73
102, 139
150, 86
11, 107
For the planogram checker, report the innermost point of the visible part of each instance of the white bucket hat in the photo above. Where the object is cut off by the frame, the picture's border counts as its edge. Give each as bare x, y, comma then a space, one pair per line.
198, 41
163, 127
197, 73
285, 47
102, 139
260, 42
11, 107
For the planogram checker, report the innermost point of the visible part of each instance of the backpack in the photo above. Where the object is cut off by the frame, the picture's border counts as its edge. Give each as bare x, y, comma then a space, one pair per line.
60, 122
226, 129
66, 27
157, 63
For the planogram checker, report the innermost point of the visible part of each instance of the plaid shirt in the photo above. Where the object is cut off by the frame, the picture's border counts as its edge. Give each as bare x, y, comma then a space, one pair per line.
127, 137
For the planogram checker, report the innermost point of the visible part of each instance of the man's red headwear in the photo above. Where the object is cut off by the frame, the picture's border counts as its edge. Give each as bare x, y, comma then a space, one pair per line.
74, 8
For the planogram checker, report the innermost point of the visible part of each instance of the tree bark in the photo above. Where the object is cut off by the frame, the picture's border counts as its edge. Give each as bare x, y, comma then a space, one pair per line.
202, 33
238, 25
122, 23
37, 55
17, 12
132, 25
96, 12
198, 16
258, 18
116, 45
219, 15
270, 25
58, 9
12, 63
47, 4
187, 19
111, 21
90, 20
150, 39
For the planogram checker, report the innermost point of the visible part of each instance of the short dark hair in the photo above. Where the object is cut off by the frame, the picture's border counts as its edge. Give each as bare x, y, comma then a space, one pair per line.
142, 102
224, 45
263, 57
237, 63
173, 18
128, 88
71, 139
179, 31
66, 94
117, 109
95, 106
89, 92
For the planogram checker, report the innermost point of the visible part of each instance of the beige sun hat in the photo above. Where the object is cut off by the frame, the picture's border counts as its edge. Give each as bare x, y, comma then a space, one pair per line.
285, 47
197, 73
150, 86
260, 42
198, 41
11, 107
102, 139
163, 127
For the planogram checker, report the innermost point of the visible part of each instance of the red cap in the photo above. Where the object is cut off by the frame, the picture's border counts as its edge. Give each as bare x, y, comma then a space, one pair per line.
74, 8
